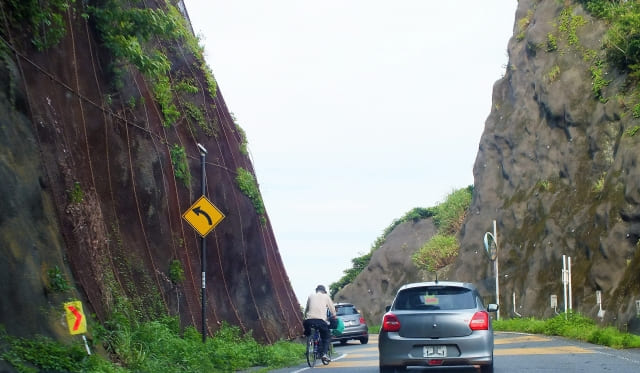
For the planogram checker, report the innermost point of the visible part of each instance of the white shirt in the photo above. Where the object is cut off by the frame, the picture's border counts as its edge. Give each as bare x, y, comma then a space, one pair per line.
317, 305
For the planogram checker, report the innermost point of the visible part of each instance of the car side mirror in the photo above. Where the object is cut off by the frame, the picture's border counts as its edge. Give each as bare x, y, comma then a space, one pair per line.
387, 308
492, 307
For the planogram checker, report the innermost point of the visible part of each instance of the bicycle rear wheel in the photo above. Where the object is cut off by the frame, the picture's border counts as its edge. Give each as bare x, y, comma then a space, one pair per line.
311, 353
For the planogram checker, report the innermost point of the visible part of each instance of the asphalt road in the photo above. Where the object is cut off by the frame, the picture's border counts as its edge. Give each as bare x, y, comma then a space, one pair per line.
514, 352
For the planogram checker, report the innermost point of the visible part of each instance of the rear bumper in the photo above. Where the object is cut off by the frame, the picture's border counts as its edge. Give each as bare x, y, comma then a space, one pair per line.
475, 349
352, 333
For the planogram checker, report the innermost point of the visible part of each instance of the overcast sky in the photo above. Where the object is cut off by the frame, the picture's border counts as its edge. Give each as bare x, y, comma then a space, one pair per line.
356, 111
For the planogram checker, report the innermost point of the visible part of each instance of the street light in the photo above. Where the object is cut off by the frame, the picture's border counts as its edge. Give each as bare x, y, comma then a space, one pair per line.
203, 245
491, 246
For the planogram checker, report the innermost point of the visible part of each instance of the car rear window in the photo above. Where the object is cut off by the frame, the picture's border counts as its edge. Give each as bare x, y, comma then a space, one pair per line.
435, 298
346, 310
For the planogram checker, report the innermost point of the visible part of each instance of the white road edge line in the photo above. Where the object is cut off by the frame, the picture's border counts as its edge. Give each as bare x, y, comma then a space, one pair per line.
307, 368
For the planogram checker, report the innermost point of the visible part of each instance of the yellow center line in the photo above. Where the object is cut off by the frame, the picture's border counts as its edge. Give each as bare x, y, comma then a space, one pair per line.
524, 338
556, 350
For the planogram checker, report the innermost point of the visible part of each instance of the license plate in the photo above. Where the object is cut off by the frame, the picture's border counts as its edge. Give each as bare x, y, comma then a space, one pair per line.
434, 351
349, 323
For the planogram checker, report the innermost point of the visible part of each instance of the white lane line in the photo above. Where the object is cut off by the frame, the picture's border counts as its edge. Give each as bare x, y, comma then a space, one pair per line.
307, 368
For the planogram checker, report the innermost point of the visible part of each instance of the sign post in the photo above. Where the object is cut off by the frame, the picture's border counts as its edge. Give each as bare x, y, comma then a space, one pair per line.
601, 312
203, 217
203, 241
491, 245
566, 282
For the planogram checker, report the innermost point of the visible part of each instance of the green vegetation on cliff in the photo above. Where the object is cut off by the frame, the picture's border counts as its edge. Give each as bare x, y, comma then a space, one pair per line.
135, 36
621, 42
44, 20
180, 165
247, 184
442, 249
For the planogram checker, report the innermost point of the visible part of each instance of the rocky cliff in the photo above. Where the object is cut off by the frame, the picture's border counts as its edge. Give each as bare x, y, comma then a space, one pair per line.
102, 106
557, 168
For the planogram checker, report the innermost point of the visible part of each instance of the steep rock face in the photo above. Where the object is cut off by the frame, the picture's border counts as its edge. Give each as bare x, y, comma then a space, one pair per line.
89, 194
557, 172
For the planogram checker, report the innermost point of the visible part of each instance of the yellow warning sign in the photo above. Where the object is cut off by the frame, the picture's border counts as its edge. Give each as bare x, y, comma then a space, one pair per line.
75, 317
203, 216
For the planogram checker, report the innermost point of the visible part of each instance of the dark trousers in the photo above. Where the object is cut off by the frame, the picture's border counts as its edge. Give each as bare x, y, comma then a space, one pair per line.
323, 328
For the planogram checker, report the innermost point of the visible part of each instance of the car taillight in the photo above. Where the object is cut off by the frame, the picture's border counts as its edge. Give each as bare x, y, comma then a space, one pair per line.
390, 323
480, 321
362, 320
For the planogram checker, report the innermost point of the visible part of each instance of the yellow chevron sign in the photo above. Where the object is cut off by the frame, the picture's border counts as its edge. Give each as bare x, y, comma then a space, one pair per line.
76, 320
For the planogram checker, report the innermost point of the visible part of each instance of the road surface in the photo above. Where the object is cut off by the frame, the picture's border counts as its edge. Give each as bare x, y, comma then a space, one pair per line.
514, 352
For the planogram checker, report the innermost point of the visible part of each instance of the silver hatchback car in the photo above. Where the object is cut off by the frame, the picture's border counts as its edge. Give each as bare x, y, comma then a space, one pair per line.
355, 327
436, 324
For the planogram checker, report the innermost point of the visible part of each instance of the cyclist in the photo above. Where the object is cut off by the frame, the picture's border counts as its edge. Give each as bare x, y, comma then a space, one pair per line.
317, 313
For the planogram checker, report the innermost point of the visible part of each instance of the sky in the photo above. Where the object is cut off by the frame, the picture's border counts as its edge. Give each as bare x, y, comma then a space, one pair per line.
355, 111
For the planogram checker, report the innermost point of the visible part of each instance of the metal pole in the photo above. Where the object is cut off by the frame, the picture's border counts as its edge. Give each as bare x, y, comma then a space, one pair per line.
564, 282
570, 297
86, 345
203, 244
495, 237
514, 305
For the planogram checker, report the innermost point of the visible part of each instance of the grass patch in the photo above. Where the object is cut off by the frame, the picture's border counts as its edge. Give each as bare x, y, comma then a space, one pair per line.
523, 24
599, 185
187, 86
44, 20
449, 215
76, 195
552, 43
242, 134
632, 131
57, 282
131, 34
195, 113
180, 164
374, 329
439, 251
153, 346
552, 76
176, 272
571, 325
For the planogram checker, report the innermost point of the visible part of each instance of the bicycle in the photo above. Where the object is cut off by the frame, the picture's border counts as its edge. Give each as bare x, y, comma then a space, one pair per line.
313, 348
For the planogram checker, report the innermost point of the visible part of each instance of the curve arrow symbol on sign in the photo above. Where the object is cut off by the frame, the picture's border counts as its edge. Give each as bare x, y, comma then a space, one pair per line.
199, 211
78, 316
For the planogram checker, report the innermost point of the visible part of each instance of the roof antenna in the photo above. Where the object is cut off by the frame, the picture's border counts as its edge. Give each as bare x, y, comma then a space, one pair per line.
436, 277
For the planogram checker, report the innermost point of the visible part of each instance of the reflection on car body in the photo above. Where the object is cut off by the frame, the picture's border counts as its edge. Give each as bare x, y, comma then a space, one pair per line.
435, 324
355, 326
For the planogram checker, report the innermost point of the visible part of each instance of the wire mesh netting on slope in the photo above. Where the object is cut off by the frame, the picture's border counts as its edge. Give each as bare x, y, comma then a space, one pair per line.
107, 154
